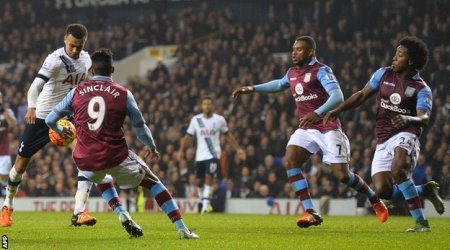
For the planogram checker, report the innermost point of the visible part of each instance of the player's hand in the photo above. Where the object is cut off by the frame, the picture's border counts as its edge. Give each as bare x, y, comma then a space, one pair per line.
241, 154
308, 119
67, 133
30, 116
242, 91
153, 154
400, 121
331, 116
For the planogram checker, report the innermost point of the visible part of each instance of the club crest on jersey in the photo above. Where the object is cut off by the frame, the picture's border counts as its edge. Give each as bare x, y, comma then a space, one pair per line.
307, 78
409, 91
299, 89
395, 98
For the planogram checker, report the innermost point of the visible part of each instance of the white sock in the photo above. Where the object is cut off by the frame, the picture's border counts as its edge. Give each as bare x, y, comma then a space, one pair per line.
83, 190
11, 191
206, 196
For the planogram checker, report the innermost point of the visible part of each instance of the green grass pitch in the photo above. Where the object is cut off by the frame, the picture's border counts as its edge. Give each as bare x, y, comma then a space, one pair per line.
51, 230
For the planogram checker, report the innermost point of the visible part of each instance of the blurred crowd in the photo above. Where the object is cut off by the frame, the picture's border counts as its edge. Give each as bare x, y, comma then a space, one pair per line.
219, 51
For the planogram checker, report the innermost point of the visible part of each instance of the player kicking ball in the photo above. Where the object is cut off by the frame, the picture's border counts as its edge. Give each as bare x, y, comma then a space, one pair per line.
99, 107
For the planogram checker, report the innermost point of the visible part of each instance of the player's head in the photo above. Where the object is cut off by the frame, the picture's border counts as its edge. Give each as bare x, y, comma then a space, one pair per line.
303, 50
411, 54
207, 105
102, 62
75, 39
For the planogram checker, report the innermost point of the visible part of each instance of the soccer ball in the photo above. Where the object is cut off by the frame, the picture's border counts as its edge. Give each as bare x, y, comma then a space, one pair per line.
57, 139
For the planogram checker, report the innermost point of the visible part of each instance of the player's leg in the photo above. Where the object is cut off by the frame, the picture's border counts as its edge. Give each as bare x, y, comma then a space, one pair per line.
211, 169
336, 151
34, 137
401, 166
344, 175
200, 174
133, 172
80, 214
5, 167
300, 147
104, 183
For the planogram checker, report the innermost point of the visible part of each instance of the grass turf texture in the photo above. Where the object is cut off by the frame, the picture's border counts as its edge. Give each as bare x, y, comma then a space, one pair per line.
51, 230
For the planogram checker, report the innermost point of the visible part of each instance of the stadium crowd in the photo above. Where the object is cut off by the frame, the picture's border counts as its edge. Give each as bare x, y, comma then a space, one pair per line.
219, 51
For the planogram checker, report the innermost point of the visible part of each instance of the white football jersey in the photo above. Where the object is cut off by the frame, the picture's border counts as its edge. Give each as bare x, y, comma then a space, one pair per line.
207, 132
61, 73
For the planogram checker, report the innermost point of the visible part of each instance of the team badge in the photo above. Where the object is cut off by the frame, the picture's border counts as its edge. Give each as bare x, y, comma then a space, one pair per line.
395, 98
307, 78
299, 88
409, 91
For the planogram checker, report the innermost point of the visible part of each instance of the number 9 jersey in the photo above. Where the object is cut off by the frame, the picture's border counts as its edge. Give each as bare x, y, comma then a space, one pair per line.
99, 107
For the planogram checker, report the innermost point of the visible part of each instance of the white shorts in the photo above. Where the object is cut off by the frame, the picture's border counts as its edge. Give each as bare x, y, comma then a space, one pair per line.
127, 174
384, 153
334, 144
5, 164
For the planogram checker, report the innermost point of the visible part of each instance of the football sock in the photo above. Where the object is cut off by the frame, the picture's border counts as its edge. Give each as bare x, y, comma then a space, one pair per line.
412, 199
167, 204
110, 195
356, 182
398, 196
13, 184
83, 190
206, 195
300, 186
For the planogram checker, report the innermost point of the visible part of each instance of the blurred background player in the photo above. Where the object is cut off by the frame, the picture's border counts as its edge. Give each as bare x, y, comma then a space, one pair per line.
207, 128
7, 121
316, 91
403, 103
99, 107
62, 70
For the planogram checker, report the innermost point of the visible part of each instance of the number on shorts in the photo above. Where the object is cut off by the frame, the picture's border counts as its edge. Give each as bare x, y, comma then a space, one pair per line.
405, 142
339, 146
99, 115
212, 167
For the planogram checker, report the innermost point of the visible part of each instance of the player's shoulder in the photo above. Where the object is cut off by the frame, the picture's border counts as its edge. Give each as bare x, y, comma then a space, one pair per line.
55, 56
219, 117
84, 55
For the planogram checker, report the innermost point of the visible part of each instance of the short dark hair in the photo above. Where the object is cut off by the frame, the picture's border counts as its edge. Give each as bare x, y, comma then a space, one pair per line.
77, 30
102, 61
309, 40
417, 51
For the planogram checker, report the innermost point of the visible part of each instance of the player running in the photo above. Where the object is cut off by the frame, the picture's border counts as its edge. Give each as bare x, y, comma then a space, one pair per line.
403, 103
316, 91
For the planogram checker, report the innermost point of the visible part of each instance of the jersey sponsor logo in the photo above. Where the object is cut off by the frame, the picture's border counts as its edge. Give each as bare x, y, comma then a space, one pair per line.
307, 77
207, 132
409, 91
385, 104
389, 84
74, 79
395, 98
299, 89
304, 98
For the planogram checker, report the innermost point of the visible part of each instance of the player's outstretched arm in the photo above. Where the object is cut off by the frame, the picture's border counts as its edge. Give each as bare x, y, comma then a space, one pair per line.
242, 91
183, 143
352, 102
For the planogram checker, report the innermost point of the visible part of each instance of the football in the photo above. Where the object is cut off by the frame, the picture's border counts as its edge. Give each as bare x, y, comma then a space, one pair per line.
57, 139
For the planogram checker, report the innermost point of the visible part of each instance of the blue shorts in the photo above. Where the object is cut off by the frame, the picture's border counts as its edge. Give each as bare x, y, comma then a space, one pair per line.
34, 138
210, 167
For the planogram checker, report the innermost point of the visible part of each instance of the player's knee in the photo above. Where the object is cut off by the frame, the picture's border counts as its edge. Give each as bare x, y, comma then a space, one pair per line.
398, 173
